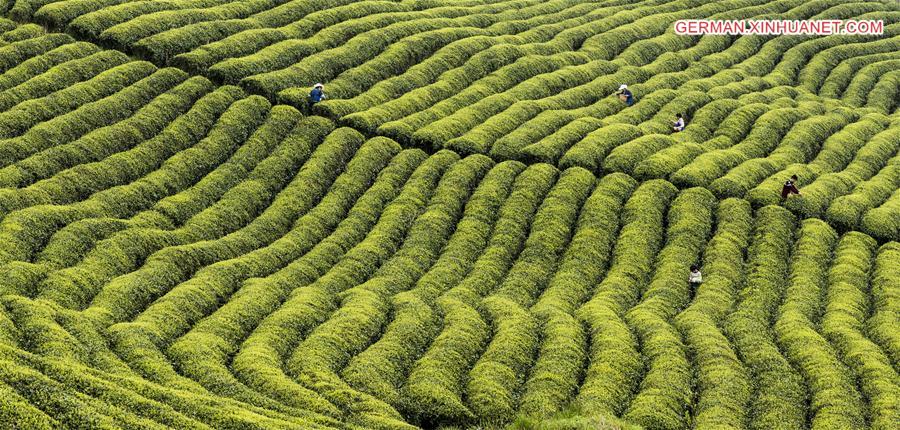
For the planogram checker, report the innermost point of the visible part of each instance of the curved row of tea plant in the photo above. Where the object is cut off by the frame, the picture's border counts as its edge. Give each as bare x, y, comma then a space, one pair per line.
532, 81
177, 254
314, 278
406, 290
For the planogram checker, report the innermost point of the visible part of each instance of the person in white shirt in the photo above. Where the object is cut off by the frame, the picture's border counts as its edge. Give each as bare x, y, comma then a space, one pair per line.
695, 278
679, 123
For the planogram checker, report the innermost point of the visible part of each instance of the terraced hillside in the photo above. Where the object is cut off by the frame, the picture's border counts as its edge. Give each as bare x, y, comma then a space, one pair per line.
526, 79
470, 233
532, 81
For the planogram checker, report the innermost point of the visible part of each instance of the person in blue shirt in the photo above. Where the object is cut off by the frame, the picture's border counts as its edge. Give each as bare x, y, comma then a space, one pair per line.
316, 95
625, 95
679, 123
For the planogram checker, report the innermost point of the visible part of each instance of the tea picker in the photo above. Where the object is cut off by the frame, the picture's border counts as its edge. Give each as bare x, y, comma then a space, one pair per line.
679, 123
316, 95
789, 188
625, 95
695, 278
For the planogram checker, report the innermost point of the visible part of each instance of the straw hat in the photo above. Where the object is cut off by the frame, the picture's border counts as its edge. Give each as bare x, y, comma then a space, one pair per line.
622, 87
319, 85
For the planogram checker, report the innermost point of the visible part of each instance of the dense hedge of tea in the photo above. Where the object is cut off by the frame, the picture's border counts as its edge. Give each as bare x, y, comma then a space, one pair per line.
506, 245
529, 67
533, 80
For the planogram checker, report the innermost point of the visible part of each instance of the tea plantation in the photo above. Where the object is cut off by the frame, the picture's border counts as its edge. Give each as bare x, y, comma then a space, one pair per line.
471, 231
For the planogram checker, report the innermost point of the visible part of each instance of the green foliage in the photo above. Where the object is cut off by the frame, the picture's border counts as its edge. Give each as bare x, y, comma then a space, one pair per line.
615, 364
434, 388
843, 323
176, 253
719, 404
884, 294
847, 211
779, 393
833, 396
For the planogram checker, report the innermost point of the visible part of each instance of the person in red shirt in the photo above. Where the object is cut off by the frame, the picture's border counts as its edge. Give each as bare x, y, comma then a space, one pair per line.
790, 187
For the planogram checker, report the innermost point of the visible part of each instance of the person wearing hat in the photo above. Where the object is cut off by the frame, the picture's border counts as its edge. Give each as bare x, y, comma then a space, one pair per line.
316, 95
625, 95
